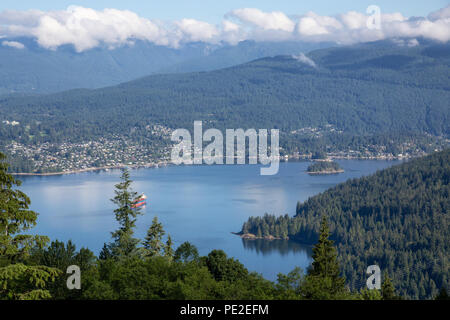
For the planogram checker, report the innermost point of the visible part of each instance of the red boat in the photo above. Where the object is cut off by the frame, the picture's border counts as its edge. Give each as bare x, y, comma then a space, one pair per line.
139, 202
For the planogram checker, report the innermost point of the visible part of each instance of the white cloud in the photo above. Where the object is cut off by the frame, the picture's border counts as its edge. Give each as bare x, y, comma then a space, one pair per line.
194, 30
308, 26
353, 20
312, 24
229, 26
13, 44
304, 59
275, 20
413, 28
86, 28
232, 32
351, 27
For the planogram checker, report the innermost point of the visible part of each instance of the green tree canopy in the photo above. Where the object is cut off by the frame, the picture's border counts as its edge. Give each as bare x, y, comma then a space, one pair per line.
323, 280
153, 243
186, 252
125, 244
17, 280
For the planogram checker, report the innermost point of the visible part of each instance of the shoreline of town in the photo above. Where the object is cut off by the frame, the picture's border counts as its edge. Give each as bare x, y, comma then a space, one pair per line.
167, 163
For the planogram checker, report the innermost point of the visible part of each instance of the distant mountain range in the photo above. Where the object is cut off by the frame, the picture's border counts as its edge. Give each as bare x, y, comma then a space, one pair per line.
33, 69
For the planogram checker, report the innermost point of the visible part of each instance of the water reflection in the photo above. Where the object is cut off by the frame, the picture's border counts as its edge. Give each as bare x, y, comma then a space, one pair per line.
283, 247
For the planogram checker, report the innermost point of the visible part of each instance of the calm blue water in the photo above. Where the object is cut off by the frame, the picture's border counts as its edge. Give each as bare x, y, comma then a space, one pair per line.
200, 204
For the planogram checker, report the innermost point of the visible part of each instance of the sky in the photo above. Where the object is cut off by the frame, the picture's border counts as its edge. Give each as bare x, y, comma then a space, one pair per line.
212, 11
113, 23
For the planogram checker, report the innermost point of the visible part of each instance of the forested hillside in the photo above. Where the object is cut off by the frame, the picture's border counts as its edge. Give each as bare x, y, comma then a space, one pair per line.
397, 218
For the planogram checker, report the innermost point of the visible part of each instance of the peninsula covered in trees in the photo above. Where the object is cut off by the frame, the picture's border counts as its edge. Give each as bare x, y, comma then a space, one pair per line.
396, 218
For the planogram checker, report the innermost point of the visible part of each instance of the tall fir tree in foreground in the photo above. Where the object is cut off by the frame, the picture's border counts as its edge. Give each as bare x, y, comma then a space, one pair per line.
153, 243
388, 290
125, 245
17, 280
323, 280
168, 248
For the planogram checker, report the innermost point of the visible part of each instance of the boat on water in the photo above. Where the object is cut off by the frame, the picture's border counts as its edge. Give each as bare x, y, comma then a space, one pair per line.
140, 201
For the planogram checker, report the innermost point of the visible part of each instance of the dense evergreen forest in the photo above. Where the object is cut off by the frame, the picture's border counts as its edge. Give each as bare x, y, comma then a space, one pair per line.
397, 218
373, 93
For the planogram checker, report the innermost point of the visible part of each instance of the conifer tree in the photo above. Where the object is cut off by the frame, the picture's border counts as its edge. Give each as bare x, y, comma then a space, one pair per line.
245, 229
387, 289
17, 280
323, 280
168, 249
297, 209
153, 243
124, 244
259, 233
105, 253
325, 262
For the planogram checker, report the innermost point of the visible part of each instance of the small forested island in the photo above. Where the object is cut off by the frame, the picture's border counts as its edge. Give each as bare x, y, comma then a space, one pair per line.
324, 167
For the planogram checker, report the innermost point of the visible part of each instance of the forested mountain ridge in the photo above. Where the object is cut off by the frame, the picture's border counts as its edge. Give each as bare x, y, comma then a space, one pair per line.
397, 218
380, 97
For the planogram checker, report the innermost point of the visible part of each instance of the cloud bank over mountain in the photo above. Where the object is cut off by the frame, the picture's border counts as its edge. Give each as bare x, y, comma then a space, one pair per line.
86, 28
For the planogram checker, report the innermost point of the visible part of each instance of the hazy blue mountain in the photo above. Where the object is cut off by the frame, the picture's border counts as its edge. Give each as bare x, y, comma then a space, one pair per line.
35, 69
